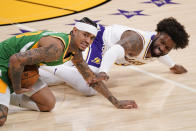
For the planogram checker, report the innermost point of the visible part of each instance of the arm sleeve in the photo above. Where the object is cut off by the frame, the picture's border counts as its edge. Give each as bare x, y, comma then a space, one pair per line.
110, 56
166, 60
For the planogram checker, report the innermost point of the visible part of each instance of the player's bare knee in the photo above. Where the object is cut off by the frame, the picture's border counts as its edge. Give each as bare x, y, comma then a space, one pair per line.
48, 106
51, 104
3, 114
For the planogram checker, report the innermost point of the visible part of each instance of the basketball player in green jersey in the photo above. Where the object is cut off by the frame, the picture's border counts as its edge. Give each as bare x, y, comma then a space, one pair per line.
40, 47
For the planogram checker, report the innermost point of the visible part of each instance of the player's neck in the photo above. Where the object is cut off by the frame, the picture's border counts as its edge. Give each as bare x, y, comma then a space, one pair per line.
72, 47
148, 55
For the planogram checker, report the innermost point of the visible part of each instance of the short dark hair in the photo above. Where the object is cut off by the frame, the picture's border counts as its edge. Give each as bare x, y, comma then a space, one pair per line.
175, 30
88, 21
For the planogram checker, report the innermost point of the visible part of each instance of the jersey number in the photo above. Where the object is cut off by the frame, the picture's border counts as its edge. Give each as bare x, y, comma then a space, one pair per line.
28, 34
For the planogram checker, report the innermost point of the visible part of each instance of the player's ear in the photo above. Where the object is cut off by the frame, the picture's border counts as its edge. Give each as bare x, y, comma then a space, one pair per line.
75, 30
158, 34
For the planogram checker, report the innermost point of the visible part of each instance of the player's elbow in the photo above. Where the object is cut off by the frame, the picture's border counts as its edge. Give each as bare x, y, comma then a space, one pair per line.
14, 61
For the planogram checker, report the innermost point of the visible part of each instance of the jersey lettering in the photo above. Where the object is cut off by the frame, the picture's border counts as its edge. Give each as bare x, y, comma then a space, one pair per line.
97, 60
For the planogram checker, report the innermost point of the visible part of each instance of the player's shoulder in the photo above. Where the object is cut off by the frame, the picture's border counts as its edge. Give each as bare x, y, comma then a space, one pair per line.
60, 35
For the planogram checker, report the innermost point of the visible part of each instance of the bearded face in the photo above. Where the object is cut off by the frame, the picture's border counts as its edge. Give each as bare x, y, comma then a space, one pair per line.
161, 45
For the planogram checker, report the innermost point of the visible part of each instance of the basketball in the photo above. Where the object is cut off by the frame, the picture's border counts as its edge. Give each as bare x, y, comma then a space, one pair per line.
29, 76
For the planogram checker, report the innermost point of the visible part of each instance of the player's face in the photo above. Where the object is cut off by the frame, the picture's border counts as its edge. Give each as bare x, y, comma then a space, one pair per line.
161, 45
83, 39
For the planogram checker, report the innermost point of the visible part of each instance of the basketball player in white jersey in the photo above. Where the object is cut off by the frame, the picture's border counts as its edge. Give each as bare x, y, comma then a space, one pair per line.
126, 46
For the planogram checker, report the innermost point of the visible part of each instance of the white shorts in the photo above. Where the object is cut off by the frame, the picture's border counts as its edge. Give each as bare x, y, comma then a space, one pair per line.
53, 75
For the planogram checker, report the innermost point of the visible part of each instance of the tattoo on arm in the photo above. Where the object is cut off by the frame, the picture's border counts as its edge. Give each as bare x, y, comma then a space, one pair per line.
30, 57
35, 56
84, 70
87, 74
16, 76
101, 88
82, 66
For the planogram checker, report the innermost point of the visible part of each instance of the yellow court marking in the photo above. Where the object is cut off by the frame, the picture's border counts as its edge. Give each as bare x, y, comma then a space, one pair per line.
18, 11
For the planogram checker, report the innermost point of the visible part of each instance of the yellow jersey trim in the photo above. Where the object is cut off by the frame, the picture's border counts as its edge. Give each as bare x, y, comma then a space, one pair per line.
3, 86
146, 50
87, 53
67, 59
35, 46
64, 45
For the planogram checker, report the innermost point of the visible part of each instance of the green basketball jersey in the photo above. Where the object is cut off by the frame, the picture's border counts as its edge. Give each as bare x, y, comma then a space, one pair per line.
23, 42
29, 40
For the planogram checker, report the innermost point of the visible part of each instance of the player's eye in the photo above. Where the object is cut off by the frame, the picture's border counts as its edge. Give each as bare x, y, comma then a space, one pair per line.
92, 38
85, 35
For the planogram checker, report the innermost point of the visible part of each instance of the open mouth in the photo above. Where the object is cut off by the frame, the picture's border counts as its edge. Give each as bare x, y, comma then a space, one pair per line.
84, 45
158, 51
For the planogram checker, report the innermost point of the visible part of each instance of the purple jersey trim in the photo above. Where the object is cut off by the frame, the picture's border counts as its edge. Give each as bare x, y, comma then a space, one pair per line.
94, 57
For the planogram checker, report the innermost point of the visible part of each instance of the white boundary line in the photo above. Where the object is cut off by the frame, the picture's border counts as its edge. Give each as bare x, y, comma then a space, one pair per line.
163, 79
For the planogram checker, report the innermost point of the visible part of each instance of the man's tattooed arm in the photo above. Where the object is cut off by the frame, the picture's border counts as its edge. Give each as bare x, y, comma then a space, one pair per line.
120, 104
88, 75
82, 67
3, 114
50, 50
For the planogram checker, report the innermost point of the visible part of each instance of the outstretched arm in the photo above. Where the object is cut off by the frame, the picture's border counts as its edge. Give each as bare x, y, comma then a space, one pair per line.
50, 49
109, 58
120, 104
177, 69
82, 67
88, 75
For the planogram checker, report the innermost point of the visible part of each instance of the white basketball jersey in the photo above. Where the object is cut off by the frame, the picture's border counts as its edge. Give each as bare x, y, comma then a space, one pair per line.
112, 35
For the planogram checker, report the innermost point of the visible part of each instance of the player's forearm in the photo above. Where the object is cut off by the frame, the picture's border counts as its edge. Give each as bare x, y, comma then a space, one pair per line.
85, 71
15, 70
114, 53
98, 86
166, 60
101, 88
82, 67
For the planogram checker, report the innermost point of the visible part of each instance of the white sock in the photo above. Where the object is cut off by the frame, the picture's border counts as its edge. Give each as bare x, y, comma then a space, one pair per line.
23, 101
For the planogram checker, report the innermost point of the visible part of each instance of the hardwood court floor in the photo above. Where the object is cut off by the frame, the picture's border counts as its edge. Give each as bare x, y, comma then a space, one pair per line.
166, 101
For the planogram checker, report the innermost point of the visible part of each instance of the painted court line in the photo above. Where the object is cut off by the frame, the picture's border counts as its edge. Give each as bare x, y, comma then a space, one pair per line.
163, 79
